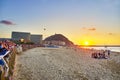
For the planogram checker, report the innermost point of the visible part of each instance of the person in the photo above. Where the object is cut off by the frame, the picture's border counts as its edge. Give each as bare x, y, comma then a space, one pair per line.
103, 55
109, 53
19, 48
4, 66
3, 52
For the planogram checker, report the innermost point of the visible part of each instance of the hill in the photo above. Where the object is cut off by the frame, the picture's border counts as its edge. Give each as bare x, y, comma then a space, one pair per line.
59, 37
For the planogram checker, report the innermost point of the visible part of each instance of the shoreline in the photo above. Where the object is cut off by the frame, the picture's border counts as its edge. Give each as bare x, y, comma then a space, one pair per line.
100, 48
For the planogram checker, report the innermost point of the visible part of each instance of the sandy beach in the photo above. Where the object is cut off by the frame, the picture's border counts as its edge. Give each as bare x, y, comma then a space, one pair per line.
65, 64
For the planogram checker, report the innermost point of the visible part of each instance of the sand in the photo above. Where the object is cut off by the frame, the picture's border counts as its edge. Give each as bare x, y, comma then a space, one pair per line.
65, 64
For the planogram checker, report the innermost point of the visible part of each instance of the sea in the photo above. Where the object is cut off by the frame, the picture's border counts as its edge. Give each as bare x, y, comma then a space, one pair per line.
116, 49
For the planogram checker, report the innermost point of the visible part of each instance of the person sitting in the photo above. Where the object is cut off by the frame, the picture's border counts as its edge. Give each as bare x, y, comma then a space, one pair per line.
95, 55
3, 50
103, 55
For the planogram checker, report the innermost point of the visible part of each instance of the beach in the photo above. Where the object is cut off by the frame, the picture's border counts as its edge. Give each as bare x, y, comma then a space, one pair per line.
65, 64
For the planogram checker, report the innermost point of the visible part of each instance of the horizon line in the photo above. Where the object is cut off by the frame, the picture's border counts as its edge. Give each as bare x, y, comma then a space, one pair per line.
100, 45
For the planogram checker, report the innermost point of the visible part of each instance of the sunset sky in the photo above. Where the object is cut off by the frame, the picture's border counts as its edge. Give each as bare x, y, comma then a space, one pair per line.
93, 21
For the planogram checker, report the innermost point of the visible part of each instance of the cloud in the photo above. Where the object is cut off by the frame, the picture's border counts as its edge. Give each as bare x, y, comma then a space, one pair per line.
84, 28
110, 33
92, 29
6, 22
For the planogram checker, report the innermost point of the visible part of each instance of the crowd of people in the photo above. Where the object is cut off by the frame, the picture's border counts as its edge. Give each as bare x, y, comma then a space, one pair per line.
6, 48
95, 53
99, 54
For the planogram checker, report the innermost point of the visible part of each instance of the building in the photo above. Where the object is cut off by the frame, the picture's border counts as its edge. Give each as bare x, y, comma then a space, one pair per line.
26, 37
37, 39
21, 36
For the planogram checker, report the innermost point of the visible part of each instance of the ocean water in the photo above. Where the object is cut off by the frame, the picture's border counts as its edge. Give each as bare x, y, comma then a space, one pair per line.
116, 49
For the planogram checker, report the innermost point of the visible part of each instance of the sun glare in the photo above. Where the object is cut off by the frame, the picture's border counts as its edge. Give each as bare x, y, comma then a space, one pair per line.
86, 43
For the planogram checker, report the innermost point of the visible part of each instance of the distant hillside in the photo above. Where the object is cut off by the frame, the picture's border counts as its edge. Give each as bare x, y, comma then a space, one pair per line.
59, 37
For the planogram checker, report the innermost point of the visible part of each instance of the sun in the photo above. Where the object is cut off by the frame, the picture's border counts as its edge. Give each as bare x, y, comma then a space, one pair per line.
86, 43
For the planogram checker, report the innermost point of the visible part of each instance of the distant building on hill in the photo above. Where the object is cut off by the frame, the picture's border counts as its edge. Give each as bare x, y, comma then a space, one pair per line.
21, 36
37, 39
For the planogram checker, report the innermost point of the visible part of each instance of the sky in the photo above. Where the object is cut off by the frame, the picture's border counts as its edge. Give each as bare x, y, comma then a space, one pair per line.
93, 21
